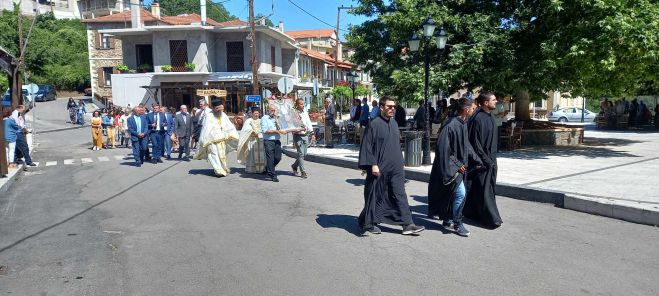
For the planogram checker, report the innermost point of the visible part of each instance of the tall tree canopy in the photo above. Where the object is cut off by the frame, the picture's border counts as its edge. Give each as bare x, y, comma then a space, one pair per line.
585, 47
214, 11
56, 51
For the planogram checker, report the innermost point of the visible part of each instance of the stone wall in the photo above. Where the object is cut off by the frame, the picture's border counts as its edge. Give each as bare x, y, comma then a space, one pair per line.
100, 57
552, 137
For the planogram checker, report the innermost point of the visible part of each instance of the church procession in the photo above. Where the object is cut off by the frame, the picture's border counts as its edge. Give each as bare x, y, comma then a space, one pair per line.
350, 147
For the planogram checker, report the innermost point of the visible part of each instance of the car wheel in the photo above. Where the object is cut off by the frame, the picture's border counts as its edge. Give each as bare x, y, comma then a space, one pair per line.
562, 119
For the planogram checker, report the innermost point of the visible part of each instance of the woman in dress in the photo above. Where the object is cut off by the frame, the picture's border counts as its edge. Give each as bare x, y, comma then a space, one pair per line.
72, 107
97, 133
250, 147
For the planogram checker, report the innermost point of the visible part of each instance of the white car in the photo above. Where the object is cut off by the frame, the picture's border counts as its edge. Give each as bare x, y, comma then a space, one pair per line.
571, 114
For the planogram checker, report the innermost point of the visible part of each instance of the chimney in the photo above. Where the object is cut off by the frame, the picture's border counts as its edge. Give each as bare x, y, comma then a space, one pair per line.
135, 8
155, 9
280, 26
203, 12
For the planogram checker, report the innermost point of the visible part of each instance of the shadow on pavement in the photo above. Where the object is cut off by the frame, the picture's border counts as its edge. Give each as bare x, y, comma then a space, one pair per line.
420, 198
592, 141
203, 172
243, 174
356, 182
345, 222
549, 151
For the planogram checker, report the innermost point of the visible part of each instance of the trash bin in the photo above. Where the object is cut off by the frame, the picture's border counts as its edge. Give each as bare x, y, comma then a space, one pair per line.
413, 148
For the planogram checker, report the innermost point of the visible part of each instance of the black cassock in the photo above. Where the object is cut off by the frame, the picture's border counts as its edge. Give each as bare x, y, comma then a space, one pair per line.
453, 151
385, 200
481, 202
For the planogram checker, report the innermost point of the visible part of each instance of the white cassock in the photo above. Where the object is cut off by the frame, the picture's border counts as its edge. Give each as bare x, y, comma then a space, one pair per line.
218, 136
250, 147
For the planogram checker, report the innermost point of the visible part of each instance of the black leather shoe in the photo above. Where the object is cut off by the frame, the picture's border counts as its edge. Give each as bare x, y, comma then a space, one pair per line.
159, 160
275, 179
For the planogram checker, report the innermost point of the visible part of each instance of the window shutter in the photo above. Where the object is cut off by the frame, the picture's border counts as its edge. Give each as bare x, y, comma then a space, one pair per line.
99, 77
97, 40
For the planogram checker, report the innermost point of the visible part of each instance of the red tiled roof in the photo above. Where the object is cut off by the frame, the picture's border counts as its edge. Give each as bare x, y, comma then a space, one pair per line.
146, 16
124, 16
324, 57
319, 33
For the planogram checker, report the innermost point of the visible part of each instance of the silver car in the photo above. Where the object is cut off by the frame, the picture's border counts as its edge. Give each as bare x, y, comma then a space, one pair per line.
571, 114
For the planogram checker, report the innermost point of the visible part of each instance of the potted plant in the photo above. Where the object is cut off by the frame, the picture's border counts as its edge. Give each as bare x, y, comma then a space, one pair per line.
122, 68
190, 67
143, 68
166, 68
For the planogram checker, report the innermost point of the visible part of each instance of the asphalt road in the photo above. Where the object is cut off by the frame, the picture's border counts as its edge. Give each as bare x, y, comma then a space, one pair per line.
104, 227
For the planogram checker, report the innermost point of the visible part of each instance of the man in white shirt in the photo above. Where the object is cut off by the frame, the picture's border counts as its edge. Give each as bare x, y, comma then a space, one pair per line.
21, 141
301, 138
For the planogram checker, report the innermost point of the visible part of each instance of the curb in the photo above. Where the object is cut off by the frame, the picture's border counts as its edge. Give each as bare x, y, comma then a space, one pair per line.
11, 178
560, 199
61, 129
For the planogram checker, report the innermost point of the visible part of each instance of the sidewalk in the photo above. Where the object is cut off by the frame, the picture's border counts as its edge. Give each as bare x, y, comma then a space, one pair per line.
613, 174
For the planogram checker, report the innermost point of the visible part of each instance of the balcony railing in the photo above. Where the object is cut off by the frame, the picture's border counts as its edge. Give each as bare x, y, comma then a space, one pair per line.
91, 5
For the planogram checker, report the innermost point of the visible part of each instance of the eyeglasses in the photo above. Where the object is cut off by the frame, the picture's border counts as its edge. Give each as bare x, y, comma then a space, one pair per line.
390, 106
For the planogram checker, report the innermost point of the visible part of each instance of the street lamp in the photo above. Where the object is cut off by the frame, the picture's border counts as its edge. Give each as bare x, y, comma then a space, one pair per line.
353, 78
415, 45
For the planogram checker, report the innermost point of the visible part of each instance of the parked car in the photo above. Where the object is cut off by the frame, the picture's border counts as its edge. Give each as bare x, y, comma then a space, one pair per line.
46, 93
6, 100
571, 114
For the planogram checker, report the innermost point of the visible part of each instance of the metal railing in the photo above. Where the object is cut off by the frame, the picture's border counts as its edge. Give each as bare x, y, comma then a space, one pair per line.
90, 5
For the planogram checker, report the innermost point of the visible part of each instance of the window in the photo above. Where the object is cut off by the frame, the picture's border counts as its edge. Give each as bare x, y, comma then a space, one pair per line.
178, 54
235, 57
272, 59
106, 76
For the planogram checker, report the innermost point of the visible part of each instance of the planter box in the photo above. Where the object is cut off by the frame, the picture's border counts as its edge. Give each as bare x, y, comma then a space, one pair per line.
553, 137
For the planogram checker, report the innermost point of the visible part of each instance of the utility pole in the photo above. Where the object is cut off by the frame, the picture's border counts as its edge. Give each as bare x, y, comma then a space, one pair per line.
338, 40
17, 81
255, 68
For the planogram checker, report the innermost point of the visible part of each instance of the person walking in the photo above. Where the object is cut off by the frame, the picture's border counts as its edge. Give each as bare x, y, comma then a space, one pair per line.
251, 152
385, 199
72, 107
375, 110
330, 112
97, 133
301, 138
271, 142
110, 129
139, 131
82, 110
169, 130
481, 204
183, 129
365, 114
218, 135
156, 122
446, 188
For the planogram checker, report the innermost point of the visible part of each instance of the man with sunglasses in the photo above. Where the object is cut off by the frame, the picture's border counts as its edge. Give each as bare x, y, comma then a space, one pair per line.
385, 200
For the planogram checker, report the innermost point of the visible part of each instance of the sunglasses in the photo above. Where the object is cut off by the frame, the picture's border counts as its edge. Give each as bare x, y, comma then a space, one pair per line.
390, 106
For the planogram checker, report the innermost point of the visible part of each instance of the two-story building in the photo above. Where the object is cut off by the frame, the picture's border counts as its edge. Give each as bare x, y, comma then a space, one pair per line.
180, 57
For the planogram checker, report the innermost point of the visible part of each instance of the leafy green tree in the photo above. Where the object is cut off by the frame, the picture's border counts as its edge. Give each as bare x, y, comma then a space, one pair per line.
215, 11
523, 48
56, 51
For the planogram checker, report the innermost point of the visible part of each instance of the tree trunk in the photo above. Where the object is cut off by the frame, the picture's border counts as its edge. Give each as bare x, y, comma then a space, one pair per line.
522, 101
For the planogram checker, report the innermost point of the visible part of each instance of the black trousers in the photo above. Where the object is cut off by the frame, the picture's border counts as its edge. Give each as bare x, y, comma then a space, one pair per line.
183, 146
272, 156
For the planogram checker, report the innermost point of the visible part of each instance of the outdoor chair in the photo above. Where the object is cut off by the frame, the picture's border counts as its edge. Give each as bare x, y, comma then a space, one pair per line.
511, 137
623, 122
601, 121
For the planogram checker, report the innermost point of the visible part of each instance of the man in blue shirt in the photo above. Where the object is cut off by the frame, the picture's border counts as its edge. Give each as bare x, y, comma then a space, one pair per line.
271, 143
156, 121
363, 120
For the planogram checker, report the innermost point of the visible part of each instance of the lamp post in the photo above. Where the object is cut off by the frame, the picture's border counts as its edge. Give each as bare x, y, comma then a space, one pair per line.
415, 45
353, 78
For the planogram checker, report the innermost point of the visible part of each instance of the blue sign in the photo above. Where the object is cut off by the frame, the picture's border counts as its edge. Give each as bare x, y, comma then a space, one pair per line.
253, 99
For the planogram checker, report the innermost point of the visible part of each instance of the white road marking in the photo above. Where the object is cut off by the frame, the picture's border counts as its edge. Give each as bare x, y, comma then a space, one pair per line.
68, 161
51, 163
86, 160
103, 158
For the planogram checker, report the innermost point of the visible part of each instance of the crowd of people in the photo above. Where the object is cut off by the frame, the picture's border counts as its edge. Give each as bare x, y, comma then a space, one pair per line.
636, 111
463, 176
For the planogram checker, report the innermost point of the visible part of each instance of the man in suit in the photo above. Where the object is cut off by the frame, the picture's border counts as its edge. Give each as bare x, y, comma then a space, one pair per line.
139, 130
169, 130
157, 124
183, 129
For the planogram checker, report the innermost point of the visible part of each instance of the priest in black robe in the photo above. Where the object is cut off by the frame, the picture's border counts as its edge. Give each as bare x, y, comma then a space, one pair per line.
453, 158
385, 200
483, 134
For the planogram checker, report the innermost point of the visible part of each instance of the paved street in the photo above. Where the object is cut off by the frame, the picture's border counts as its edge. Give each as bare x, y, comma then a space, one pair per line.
100, 226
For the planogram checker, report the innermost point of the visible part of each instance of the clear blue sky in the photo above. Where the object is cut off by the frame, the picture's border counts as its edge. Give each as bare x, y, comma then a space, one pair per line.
293, 17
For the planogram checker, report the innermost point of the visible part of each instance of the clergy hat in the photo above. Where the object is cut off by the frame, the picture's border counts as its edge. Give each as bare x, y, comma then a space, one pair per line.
216, 102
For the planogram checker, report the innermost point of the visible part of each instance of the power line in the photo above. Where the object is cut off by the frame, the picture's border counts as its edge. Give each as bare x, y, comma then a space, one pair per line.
317, 18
